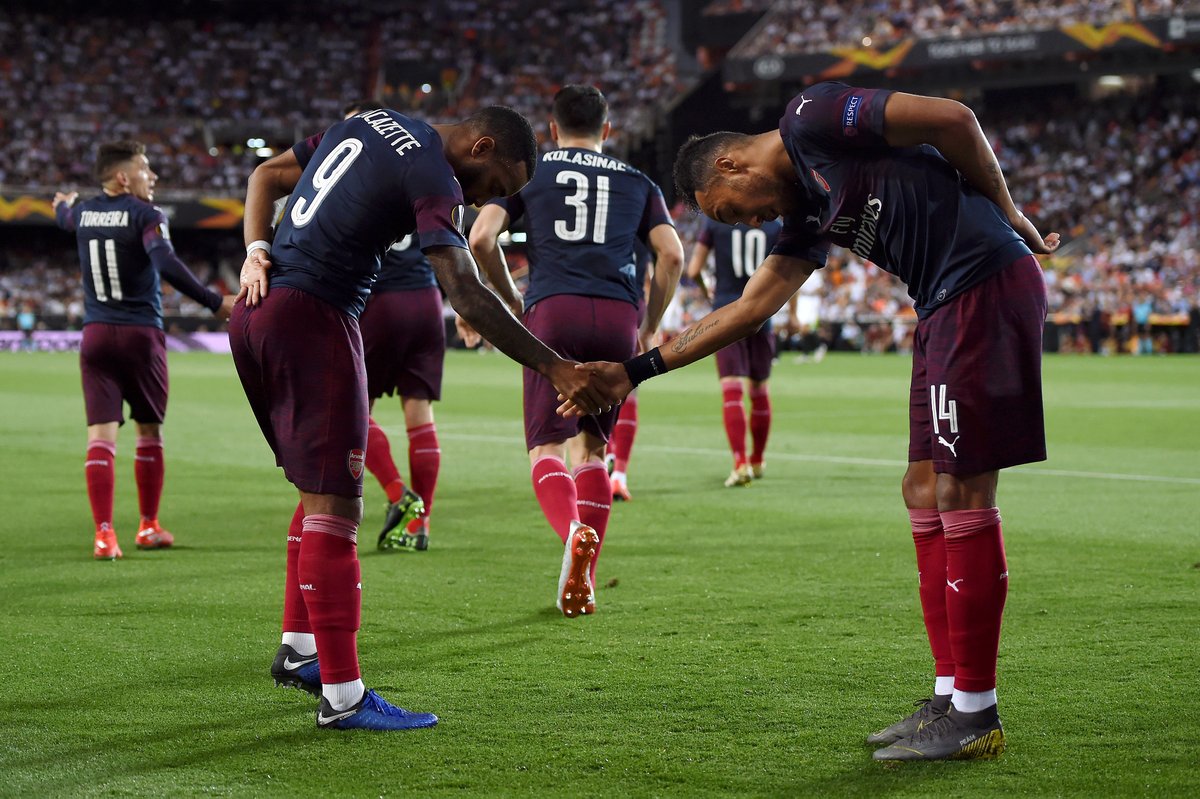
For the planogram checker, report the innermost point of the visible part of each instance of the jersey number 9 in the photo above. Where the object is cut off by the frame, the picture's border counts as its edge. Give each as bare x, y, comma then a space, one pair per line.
326, 177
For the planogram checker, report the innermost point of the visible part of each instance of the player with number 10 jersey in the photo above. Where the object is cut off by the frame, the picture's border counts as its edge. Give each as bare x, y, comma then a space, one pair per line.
737, 250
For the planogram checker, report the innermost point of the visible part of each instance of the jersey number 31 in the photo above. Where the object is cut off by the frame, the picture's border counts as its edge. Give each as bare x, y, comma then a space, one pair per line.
578, 201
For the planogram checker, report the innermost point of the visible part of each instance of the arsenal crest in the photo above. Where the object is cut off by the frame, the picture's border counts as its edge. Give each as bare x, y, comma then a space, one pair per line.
354, 462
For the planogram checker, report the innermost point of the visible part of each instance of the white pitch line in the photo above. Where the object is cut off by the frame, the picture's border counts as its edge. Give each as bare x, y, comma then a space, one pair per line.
889, 463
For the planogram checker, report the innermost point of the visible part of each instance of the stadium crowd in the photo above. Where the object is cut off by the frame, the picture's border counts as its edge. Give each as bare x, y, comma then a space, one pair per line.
203, 87
485, 59
801, 26
1119, 177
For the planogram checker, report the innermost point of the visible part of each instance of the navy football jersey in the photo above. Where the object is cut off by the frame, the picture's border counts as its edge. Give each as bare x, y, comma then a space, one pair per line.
583, 211
737, 251
368, 182
405, 268
904, 209
116, 236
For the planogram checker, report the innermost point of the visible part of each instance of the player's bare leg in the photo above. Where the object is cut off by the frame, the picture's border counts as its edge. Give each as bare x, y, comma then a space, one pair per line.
149, 470
100, 472
976, 588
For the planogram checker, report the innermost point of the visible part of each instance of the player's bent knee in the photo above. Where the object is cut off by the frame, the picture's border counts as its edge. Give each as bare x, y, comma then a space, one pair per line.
919, 485
333, 505
967, 492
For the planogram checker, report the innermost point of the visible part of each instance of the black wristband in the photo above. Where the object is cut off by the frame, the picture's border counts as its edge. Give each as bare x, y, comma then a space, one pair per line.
645, 366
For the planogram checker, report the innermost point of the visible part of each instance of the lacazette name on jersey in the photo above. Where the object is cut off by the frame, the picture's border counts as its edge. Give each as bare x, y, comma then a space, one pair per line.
391, 130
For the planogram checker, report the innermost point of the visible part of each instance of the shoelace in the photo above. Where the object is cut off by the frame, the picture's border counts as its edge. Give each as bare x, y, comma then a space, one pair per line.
934, 729
924, 708
380, 705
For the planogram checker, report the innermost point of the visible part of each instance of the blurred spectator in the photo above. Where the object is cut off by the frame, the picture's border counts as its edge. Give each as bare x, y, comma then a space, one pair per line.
804, 26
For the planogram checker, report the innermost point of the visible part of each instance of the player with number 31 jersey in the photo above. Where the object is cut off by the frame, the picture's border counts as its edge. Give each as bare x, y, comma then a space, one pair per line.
583, 211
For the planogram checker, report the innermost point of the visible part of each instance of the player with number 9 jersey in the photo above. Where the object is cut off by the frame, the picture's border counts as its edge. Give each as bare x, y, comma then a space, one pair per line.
737, 250
583, 212
365, 183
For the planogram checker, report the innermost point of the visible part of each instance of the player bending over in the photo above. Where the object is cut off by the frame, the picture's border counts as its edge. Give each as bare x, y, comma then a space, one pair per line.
911, 184
363, 184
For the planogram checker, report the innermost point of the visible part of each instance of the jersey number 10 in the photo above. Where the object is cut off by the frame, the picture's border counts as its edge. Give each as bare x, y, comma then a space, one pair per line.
748, 250
578, 201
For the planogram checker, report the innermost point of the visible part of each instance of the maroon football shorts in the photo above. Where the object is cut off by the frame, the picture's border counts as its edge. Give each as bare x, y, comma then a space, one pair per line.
404, 343
123, 362
301, 364
751, 357
975, 404
583, 329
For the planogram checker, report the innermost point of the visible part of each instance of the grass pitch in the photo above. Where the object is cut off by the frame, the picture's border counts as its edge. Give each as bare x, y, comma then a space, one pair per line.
753, 636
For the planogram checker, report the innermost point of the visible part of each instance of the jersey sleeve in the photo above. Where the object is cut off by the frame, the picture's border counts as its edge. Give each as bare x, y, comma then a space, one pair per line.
795, 241
514, 206
835, 116
303, 150
64, 216
437, 205
155, 233
706, 233
655, 212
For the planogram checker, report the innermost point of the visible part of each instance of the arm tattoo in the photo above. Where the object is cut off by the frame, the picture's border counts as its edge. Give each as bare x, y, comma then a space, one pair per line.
997, 178
685, 338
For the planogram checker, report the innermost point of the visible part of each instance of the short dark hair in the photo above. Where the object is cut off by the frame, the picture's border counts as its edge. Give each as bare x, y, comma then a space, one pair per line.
513, 134
580, 110
694, 163
358, 106
112, 154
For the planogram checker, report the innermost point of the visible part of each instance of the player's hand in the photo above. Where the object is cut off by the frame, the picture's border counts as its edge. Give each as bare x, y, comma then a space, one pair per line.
227, 303
610, 378
60, 197
578, 388
517, 306
1025, 229
467, 333
254, 279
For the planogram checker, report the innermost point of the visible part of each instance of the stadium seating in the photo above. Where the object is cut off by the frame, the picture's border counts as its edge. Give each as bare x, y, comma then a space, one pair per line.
801, 26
